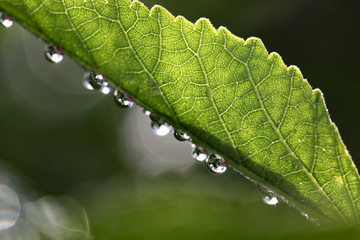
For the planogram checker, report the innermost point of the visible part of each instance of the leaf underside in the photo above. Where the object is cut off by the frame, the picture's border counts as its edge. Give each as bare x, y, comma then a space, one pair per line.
228, 94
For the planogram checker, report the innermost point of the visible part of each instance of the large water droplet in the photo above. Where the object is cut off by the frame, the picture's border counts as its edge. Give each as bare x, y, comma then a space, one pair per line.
96, 81
122, 99
216, 164
53, 54
160, 129
181, 135
158, 125
5, 20
9, 207
199, 153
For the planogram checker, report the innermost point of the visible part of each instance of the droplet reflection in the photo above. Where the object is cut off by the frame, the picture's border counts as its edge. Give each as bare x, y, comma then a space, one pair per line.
181, 135
122, 99
146, 112
158, 125
5, 20
199, 154
270, 200
216, 164
53, 54
268, 196
160, 129
105, 90
94, 81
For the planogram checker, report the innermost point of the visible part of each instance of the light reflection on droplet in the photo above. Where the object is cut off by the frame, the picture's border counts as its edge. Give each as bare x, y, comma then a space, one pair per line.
87, 85
6, 20
9, 207
160, 129
198, 153
146, 112
105, 90
158, 125
270, 200
305, 215
268, 196
53, 54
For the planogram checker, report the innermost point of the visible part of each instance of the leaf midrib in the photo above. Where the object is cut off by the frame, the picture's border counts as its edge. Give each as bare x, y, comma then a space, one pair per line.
210, 97
168, 105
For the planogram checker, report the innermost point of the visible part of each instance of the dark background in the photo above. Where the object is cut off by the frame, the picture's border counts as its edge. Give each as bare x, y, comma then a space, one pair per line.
58, 138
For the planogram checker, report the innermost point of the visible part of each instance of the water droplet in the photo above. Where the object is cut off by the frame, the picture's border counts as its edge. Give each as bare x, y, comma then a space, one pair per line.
146, 112
5, 20
158, 125
155, 118
122, 99
268, 196
9, 207
313, 220
305, 215
181, 135
199, 153
270, 200
96, 81
216, 164
53, 54
160, 129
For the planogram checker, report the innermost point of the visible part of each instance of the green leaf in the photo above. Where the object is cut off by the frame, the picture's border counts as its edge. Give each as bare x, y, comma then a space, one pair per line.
229, 95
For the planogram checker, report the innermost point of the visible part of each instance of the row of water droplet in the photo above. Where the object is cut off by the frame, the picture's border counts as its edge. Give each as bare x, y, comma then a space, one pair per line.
215, 163
94, 81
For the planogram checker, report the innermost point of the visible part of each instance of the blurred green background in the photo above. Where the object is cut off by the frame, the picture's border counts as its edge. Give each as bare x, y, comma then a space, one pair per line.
57, 138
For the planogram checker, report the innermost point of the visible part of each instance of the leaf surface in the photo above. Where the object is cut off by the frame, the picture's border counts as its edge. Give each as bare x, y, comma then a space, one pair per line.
228, 94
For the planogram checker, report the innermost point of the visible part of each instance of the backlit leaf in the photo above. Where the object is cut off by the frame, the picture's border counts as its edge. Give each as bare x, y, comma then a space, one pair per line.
230, 95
